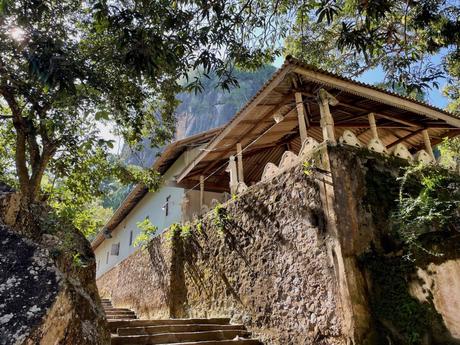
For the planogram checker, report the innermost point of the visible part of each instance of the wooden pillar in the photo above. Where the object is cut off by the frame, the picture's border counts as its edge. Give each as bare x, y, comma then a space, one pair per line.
185, 207
301, 116
233, 174
239, 154
201, 191
426, 139
327, 122
373, 125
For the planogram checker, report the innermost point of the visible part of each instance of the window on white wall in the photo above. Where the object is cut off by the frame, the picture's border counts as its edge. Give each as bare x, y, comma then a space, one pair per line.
166, 205
107, 258
115, 249
130, 238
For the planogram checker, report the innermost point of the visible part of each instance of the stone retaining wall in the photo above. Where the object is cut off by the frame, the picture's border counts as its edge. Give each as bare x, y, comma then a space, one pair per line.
267, 265
287, 258
141, 282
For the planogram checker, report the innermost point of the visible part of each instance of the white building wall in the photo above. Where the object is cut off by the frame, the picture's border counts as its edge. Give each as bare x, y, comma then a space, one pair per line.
150, 206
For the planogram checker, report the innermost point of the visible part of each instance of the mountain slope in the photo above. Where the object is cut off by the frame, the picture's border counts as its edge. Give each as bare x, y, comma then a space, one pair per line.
211, 108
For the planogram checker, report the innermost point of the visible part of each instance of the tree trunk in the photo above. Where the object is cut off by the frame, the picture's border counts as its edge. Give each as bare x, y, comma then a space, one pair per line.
21, 165
29, 175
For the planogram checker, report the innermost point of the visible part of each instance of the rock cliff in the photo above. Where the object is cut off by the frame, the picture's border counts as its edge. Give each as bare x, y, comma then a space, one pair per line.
209, 109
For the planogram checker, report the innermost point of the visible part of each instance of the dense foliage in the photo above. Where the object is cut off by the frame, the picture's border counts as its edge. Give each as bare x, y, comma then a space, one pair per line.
67, 65
416, 43
148, 231
69, 68
429, 202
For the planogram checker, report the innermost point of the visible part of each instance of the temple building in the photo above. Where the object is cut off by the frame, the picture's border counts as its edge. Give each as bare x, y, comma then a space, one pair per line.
298, 109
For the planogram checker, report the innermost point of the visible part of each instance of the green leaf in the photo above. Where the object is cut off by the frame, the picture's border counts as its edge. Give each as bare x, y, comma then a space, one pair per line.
102, 115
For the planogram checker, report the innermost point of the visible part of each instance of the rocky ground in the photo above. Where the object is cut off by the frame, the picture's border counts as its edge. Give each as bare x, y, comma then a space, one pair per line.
48, 293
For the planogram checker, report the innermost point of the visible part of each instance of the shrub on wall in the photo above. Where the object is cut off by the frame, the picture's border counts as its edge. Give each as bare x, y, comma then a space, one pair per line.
148, 231
432, 206
417, 217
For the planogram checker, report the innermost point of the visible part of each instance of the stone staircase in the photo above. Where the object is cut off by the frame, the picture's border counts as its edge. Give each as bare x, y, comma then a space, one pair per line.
126, 329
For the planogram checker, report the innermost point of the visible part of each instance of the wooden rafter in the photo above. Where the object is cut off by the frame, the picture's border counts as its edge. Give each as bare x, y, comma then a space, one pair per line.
406, 137
365, 111
245, 133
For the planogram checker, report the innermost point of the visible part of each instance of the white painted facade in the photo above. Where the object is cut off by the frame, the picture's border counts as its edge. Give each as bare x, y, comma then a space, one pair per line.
152, 206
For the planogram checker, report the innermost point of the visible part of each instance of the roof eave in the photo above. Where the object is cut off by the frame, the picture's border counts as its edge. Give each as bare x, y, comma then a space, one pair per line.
335, 81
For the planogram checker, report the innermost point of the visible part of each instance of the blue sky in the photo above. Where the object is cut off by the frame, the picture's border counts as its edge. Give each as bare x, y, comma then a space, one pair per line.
435, 96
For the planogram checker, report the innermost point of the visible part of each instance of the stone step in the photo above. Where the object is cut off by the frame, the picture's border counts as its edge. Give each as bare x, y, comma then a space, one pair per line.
119, 312
168, 338
121, 317
221, 342
116, 309
113, 325
177, 329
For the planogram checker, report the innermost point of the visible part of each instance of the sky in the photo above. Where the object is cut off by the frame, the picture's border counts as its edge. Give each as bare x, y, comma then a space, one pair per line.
434, 96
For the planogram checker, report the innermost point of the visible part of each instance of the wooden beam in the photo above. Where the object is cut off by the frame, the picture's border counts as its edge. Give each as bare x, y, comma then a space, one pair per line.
201, 191
210, 187
373, 125
265, 117
245, 133
301, 116
398, 119
251, 122
239, 156
271, 133
426, 140
366, 125
404, 138
449, 134
392, 117
325, 99
359, 125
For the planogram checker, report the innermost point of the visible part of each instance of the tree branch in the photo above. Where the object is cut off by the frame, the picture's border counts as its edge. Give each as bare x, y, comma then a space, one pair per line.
34, 149
39, 170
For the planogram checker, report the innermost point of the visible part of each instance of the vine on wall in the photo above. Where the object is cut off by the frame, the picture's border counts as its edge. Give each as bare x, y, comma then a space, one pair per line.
417, 216
429, 201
